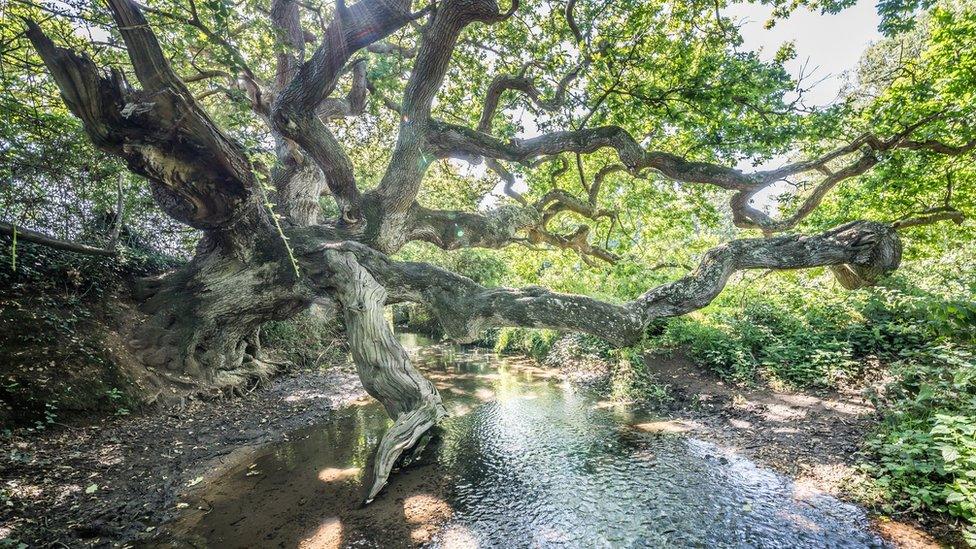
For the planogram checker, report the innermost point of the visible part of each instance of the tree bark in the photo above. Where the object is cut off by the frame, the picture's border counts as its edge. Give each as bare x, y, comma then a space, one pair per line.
859, 252
200, 322
383, 365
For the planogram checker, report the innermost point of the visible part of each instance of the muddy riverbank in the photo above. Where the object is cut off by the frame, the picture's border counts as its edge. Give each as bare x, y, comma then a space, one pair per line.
117, 479
815, 438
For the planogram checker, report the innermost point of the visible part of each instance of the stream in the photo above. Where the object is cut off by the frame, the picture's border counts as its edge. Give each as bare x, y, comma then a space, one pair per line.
525, 460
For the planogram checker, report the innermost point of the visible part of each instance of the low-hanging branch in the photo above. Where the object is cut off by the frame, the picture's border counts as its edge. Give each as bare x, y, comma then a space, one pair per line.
28, 235
859, 253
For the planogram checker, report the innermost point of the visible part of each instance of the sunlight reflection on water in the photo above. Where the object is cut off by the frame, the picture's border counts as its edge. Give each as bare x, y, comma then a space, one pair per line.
523, 462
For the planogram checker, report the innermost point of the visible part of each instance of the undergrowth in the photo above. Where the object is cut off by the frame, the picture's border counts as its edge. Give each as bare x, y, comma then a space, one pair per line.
632, 379
916, 347
827, 340
526, 341
628, 377
923, 455
55, 355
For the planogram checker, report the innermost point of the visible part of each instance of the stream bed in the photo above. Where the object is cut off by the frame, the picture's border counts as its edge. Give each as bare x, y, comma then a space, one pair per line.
525, 460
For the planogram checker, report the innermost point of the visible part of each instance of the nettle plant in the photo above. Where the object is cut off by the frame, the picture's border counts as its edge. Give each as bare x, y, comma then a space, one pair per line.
299, 139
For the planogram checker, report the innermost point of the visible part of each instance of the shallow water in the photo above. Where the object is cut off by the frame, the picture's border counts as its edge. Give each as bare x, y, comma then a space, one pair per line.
524, 461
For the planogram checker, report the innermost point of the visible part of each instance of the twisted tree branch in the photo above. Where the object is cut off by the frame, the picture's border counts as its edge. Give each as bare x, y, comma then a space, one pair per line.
859, 253
294, 113
451, 140
399, 186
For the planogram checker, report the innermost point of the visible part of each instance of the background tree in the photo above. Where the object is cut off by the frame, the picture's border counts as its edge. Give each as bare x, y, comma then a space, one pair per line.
242, 127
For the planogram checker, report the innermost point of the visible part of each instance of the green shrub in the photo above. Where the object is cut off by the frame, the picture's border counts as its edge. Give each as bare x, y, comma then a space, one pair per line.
488, 338
814, 337
416, 318
527, 341
924, 453
713, 346
632, 381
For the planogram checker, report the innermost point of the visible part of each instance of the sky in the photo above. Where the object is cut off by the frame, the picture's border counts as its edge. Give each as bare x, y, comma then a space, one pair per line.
827, 45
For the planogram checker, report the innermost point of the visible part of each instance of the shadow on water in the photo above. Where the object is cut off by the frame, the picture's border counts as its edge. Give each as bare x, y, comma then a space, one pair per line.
524, 461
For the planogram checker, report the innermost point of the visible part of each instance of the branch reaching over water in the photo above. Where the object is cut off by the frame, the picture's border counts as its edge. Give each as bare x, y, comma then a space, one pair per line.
859, 253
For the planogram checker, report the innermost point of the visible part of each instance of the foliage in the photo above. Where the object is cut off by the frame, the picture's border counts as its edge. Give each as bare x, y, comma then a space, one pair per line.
915, 75
416, 318
924, 454
527, 341
632, 380
805, 333
575, 346
482, 266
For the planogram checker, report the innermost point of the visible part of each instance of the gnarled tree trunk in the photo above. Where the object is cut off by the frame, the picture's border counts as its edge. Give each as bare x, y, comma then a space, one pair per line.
201, 321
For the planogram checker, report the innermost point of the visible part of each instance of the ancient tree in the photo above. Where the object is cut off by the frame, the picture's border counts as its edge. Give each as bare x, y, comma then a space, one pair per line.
268, 251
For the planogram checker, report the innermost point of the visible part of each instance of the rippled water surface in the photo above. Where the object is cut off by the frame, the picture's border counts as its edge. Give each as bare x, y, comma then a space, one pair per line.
525, 461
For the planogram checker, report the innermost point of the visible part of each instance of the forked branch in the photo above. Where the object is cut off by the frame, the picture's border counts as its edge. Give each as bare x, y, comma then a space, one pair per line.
401, 182
197, 174
295, 112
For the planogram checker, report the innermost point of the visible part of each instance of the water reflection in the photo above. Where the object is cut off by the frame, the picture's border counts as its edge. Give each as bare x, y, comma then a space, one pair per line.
525, 461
